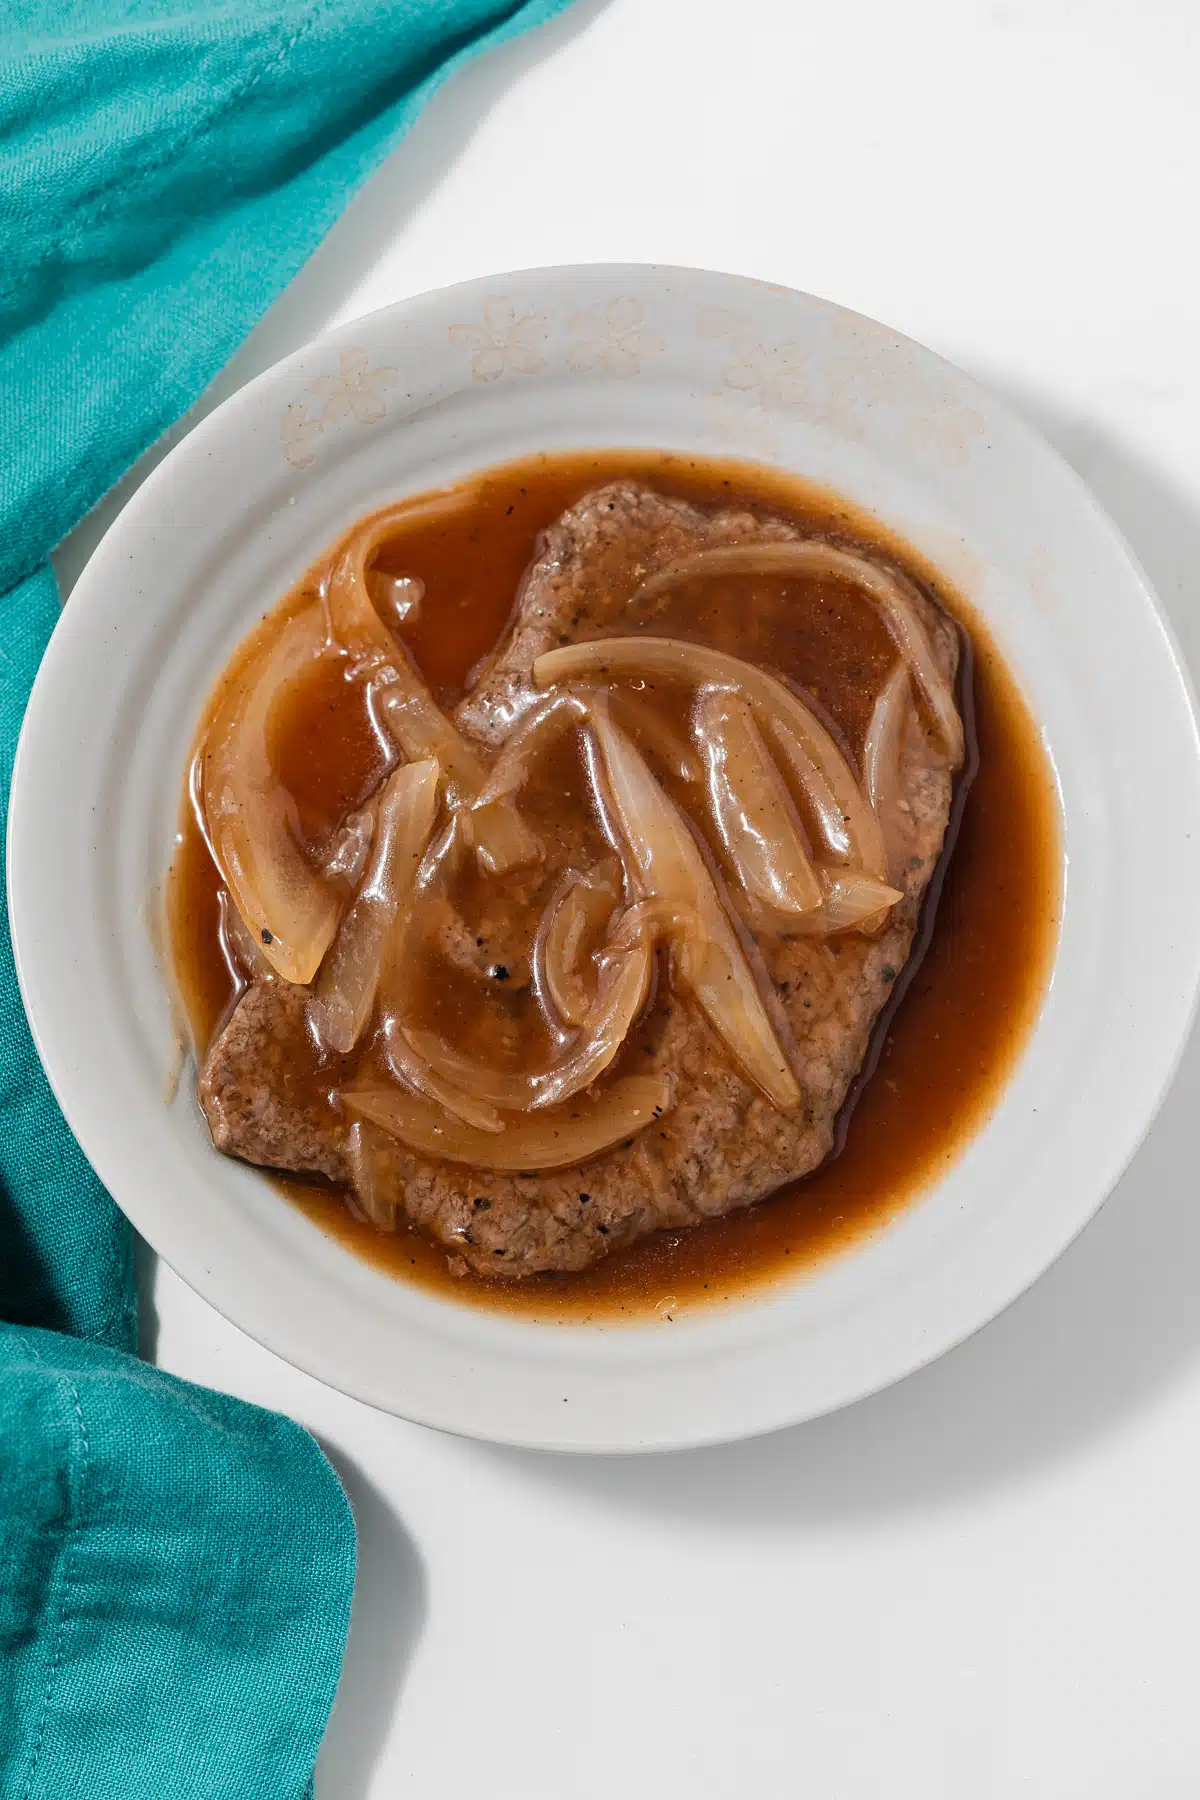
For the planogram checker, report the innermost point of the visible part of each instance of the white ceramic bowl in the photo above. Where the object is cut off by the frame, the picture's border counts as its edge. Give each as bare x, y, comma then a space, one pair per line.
422, 393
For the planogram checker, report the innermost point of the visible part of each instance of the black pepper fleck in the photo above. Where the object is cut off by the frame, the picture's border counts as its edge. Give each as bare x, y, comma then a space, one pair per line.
267, 938
498, 972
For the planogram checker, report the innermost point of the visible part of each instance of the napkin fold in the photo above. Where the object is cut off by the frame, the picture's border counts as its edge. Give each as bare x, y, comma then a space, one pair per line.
176, 1566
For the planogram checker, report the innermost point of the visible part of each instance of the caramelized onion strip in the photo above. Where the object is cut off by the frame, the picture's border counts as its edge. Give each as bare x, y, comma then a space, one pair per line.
249, 817
621, 992
854, 901
346, 858
353, 620
824, 808
373, 1173
244, 955
574, 918
415, 1072
893, 597
492, 1087
421, 729
660, 919
674, 659
408, 710
341, 1004
521, 749
650, 731
882, 757
585, 1127
413, 718
620, 996
710, 962
755, 817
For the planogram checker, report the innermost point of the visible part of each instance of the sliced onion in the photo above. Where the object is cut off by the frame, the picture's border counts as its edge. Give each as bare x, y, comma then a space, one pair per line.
892, 595
882, 754
711, 964
648, 728
415, 1072
411, 715
414, 925
409, 711
249, 816
584, 1128
373, 1173
854, 901
353, 619
495, 1087
347, 856
502, 839
753, 809
529, 741
824, 808
345, 993
574, 918
354, 622
620, 995
421, 729
674, 659
243, 953
654, 919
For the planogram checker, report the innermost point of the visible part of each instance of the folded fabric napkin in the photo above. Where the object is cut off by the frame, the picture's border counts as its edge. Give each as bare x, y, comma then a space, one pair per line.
175, 1566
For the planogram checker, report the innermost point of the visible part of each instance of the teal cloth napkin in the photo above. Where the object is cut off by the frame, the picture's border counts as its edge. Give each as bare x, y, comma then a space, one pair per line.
176, 1566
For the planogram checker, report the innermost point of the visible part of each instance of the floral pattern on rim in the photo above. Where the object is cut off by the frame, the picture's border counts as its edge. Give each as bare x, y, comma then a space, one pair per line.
299, 433
874, 369
946, 433
613, 339
776, 375
877, 369
356, 391
738, 427
503, 341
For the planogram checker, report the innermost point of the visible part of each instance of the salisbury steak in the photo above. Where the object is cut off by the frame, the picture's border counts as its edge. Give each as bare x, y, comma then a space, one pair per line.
270, 1098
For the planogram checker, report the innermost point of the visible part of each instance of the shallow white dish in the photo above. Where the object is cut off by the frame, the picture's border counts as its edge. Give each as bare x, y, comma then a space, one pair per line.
422, 393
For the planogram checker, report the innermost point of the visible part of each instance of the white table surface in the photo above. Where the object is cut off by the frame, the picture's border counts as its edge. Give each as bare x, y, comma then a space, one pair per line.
985, 1582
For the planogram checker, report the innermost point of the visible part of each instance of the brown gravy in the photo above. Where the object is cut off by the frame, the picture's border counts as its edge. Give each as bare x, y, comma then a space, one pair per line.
948, 1045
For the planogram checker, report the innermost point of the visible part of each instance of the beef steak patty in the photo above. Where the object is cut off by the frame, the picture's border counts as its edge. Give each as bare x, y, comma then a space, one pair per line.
266, 1093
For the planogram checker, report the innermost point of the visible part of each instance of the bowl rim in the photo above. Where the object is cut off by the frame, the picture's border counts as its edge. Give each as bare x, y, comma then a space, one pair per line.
23, 923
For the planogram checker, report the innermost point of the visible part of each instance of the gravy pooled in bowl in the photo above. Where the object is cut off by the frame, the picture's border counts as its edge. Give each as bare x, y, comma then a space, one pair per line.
538, 936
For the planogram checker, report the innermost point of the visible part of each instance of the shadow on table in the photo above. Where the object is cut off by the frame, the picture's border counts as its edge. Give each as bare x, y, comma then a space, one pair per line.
365, 230
386, 1621
1106, 1332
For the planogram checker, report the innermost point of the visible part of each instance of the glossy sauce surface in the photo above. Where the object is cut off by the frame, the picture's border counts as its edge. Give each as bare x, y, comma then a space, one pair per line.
942, 1055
